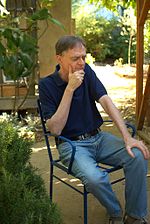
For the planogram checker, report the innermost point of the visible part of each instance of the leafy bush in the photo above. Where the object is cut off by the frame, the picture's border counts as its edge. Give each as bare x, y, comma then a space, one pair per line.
26, 125
102, 36
106, 35
23, 198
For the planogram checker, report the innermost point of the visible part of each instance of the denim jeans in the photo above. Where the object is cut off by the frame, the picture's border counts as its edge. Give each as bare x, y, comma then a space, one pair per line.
108, 149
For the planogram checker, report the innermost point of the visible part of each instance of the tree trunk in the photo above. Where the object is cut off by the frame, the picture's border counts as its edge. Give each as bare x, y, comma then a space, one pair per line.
129, 48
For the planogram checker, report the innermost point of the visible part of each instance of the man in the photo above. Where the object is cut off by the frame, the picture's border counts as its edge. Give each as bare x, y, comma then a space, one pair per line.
68, 102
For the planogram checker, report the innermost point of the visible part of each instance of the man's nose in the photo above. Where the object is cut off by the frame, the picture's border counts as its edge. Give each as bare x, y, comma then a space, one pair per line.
81, 61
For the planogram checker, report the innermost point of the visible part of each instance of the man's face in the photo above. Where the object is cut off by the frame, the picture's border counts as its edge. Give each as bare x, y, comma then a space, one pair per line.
74, 58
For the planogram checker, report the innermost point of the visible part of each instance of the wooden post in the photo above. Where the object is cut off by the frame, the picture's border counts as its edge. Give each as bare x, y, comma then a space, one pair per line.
144, 12
139, 59
144, 103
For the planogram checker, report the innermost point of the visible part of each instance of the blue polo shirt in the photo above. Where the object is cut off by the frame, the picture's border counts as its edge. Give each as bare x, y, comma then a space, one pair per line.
83, 116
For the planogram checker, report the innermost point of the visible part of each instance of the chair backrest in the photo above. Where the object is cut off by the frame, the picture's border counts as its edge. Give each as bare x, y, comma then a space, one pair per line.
41, 116
47, 134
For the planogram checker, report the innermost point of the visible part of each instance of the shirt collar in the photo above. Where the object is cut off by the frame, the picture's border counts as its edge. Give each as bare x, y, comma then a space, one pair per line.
57, 77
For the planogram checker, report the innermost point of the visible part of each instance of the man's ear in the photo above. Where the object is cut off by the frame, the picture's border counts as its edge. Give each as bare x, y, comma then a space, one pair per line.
58, 58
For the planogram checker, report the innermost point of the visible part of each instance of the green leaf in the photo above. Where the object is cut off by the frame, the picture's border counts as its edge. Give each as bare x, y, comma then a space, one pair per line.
56, 22
1, 62
15, 38
2, 49
44, 14
26, 60
12, 36
10, 67
41, 14
19, 68
28, 44
26, 73
7, 33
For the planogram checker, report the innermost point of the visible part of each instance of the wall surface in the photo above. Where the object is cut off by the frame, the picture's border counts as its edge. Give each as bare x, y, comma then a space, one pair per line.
62, 12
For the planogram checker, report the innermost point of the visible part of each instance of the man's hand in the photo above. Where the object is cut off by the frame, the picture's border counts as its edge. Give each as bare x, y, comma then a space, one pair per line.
131, 143
75, 79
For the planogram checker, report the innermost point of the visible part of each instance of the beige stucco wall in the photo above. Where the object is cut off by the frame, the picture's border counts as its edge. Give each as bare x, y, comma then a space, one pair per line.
62, 12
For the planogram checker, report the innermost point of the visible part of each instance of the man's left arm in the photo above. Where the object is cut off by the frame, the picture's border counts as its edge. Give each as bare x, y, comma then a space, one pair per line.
115, 115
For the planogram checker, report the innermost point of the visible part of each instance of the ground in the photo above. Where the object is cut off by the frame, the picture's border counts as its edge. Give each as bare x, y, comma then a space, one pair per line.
122, 91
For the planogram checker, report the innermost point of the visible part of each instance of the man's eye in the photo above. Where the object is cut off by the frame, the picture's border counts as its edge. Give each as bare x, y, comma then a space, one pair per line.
75, 59
79, 58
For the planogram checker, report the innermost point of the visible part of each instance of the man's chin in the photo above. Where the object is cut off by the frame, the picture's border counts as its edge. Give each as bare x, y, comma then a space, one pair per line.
79, 69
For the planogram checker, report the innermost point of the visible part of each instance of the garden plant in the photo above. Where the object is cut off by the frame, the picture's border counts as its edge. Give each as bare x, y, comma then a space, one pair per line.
23, 197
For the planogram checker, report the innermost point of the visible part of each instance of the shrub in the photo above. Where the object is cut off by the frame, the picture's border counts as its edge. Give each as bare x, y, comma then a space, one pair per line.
23, 198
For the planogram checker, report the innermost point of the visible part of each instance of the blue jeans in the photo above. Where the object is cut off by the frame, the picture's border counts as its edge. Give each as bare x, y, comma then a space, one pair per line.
108, 149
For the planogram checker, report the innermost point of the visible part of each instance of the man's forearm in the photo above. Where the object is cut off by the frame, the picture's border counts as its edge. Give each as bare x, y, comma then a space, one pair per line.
115, 115
57, 122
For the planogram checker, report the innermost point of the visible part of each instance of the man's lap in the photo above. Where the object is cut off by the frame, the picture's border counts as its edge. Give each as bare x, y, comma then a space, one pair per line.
103, 147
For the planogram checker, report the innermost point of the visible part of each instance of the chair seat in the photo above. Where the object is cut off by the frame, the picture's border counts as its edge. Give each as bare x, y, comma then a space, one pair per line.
57, 164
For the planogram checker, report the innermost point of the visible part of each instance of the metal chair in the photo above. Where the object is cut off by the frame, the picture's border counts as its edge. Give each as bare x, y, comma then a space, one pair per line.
57, 163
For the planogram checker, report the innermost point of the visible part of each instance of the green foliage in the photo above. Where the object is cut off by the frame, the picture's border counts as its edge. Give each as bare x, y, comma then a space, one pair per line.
14, 155
26, 125
107, 38
46, 3
23, 198
103, 37
112, 5
76, 5
128, 25
17, 61
128, 21
18, 47
44, 14
92, 30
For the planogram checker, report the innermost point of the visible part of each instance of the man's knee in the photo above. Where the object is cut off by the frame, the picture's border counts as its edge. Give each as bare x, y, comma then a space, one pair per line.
93, 181
139, 158
138, 154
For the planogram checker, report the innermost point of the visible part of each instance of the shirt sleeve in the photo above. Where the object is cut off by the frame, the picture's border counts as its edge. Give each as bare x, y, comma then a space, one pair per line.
47, 103
97, 89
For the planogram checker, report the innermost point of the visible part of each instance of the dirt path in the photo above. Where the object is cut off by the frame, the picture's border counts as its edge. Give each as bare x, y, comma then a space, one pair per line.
121, 90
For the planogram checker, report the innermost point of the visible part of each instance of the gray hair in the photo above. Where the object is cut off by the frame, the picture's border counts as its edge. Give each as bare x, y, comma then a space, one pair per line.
68, 42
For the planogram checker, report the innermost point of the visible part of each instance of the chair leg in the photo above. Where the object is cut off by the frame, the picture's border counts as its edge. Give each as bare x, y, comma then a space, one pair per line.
51, 183
85, 206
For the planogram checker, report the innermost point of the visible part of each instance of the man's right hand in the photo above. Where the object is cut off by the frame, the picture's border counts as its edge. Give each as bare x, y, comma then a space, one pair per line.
75, 79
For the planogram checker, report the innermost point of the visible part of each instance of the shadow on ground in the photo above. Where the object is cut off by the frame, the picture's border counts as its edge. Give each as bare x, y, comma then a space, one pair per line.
122, 91
69, 201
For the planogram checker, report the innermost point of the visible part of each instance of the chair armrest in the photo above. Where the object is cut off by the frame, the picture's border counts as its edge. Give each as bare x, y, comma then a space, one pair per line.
129, 126
73, 151
132, 128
